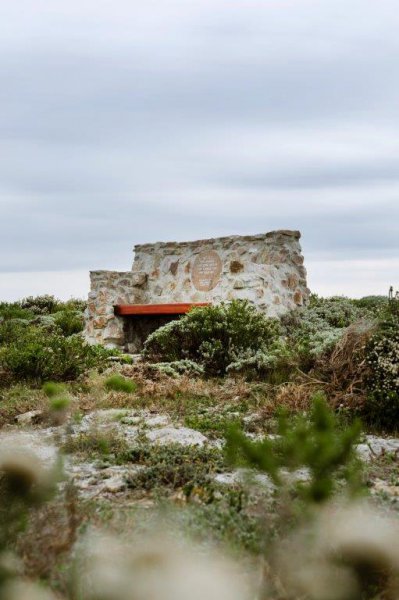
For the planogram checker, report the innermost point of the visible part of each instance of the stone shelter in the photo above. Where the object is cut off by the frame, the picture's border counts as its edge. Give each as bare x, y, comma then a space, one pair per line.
169, 278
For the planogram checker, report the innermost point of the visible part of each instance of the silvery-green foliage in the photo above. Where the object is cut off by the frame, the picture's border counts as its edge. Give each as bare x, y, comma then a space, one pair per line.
263, 362
214, 336
316, 329
382, 405
383, 358
178, 367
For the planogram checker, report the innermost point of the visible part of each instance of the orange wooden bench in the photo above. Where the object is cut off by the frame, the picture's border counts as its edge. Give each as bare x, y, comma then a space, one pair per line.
123, 310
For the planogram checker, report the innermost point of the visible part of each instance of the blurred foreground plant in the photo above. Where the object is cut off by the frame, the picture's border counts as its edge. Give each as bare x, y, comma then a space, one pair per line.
153, 569
24, 486
347, 552
316, 443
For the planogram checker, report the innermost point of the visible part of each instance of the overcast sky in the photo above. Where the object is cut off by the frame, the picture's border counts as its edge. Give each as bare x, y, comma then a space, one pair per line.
124, 122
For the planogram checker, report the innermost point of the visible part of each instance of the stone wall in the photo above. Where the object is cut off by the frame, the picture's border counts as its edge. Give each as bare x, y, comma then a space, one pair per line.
266, 269
108, 288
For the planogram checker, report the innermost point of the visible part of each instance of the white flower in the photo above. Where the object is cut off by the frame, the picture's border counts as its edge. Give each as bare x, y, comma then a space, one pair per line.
154, 570
345, 550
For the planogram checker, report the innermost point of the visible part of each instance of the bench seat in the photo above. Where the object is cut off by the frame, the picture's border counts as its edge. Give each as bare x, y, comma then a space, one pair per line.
156, 309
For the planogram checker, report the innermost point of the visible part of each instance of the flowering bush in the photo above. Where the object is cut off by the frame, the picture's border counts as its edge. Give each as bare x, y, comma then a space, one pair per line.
40, 305
382, 406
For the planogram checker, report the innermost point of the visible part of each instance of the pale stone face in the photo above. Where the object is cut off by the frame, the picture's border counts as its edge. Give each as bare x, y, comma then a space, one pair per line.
265, 269
206, 271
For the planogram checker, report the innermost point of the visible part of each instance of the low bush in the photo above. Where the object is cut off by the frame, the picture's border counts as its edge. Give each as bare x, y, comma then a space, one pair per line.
38, 355
274, 364
97, 444
373, 304
12, 329
314, 331
45, 311
174, 466
176, 368
118, 383
213, 336
382, 405
13, 310
69, 321
40, 305
59, 403
53, 389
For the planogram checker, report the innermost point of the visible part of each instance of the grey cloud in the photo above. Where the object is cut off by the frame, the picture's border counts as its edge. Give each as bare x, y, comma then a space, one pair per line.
175, 120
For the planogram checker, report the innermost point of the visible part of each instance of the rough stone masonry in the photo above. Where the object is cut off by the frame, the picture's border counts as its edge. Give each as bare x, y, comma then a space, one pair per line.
266, 269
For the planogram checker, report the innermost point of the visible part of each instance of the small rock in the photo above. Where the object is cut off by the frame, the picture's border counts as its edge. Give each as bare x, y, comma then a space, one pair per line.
157, 421
29, 418
39, 442
245, 476
376, 446
131, 420
175, 435
380, 486
228, 478
115, 484
251, 418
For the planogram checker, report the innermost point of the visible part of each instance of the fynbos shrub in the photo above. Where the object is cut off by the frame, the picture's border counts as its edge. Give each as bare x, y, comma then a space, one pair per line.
382, 405
39, 355
213, 336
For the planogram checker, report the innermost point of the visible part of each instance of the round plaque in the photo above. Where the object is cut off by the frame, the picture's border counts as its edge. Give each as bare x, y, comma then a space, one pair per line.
207, 269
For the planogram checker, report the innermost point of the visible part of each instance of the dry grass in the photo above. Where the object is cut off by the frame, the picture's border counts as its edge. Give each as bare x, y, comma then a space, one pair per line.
19, 399
296, 396
346, 368
340, 375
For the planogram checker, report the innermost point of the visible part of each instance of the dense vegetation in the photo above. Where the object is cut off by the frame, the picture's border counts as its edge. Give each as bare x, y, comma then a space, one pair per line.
350, 347
282, 406
40, 340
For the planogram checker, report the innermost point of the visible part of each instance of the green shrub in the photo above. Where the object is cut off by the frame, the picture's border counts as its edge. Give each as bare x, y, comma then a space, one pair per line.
39, 356
381, 408
316, 443
53, 389
118, 383
69, 321
40, 305
46, 322
372, 303
314, 331
48, 305
98, 444
177, 368
274, 365
59, 403
214, 425
174, 466
13, 310
73, 304
213, 336
11, 330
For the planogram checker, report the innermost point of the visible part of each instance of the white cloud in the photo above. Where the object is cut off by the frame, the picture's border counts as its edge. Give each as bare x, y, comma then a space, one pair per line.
61, 284
132, 121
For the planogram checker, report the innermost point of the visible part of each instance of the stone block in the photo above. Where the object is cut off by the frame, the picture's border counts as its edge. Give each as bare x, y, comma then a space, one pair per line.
139, 278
